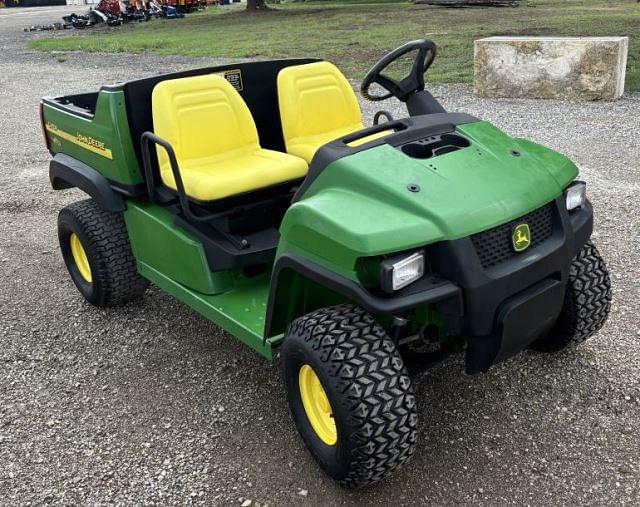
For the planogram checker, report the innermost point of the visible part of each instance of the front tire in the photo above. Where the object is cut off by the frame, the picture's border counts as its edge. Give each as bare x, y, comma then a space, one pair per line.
587, 302
95, 247
349, 394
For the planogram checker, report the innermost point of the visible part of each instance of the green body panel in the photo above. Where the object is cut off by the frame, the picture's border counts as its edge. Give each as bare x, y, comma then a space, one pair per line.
240, 311
103, 142
175, 261
160, 244
359, 206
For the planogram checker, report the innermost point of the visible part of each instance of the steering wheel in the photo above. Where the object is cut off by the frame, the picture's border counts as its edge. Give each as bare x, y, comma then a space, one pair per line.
413, 82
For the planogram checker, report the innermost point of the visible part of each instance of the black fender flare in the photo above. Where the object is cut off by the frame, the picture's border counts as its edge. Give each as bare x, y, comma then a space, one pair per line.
277, 319
68, 172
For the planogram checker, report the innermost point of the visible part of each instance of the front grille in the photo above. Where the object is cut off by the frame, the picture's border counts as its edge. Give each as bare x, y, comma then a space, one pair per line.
495, 245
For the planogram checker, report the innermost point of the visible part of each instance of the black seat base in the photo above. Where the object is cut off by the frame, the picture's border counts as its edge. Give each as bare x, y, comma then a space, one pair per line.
224, 254
240, 232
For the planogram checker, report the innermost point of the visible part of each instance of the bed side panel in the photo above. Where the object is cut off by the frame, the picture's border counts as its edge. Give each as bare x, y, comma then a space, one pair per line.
102, 141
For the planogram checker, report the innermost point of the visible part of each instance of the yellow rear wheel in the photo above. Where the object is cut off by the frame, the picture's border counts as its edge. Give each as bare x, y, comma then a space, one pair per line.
316, 405
80, 257
95, 247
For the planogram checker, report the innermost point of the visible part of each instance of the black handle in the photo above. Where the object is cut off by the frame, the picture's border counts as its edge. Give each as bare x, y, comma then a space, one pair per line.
395, 125
175, 169
182, 194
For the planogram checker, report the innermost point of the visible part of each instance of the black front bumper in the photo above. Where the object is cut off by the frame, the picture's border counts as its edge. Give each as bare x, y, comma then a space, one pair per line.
507, 305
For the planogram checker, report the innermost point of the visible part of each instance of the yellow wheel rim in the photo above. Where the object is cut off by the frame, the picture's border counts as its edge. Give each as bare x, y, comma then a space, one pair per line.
80, 257
317, 406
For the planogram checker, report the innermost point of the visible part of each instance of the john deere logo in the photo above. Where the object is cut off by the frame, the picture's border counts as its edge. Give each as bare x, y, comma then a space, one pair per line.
521, 237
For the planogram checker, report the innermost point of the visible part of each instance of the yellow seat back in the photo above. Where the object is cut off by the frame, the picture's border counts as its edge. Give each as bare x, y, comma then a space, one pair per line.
317, 105
203, 118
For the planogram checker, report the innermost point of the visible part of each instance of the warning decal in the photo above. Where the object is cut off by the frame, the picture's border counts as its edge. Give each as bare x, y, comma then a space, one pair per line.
235, 78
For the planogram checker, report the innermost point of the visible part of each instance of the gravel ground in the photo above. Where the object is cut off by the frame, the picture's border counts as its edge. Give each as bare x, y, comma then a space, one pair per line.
151, 403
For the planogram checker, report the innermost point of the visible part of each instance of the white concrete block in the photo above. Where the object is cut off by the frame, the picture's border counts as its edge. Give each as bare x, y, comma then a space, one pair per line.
570, 68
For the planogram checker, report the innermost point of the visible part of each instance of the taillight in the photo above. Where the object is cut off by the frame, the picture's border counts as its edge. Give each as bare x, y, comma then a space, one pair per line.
44, 130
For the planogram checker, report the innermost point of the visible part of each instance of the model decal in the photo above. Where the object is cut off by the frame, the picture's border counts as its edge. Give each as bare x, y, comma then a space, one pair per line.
86, 142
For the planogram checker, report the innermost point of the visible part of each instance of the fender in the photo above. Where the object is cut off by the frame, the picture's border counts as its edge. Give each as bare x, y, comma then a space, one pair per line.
67, 172
292, 274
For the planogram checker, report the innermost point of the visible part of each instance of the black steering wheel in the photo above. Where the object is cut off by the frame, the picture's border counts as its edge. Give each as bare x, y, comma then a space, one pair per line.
413, 82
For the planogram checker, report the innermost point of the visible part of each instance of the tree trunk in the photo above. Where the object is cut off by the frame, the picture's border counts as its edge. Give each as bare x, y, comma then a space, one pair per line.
256, 5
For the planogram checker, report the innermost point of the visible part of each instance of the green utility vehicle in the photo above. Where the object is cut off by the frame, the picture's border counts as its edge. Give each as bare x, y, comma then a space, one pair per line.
254, 194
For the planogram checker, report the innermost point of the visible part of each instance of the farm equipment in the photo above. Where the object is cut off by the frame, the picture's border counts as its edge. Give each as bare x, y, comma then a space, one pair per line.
254, 194
183, 6
118, 12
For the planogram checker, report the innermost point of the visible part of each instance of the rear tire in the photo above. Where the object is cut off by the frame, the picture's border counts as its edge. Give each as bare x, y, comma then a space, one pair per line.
587, 302
95, 247
368, 389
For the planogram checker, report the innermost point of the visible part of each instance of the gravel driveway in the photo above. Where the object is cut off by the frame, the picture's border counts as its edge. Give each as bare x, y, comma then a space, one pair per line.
151, 403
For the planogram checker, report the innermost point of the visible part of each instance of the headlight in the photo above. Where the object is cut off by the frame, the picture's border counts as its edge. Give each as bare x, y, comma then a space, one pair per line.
398, 272
576, 195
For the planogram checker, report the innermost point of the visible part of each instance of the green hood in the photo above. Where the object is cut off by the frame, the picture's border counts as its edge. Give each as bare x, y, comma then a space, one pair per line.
360, 205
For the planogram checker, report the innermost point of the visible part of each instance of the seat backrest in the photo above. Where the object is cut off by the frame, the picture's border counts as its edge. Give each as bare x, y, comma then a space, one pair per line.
314, 99
201, 117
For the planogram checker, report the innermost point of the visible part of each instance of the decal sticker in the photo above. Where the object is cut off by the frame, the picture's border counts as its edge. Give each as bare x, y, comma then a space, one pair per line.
235, 78
86, 142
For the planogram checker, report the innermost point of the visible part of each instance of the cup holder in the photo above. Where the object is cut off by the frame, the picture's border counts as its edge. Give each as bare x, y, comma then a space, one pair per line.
434, 146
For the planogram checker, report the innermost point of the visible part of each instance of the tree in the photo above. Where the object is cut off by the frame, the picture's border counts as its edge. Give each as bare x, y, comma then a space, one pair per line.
256, 5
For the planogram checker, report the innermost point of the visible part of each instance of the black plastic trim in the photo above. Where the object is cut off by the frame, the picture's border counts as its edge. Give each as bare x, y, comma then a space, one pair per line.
488, 291
223, 254
139, 190
67, 172
437, 291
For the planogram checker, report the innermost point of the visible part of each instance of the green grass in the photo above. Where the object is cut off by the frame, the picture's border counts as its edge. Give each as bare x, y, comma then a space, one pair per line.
355, 35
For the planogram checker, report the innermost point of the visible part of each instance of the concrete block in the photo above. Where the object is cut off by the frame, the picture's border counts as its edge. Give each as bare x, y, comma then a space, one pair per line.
568, 68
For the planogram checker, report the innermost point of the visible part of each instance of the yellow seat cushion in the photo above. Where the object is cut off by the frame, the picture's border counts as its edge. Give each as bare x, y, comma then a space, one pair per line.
208, 179
215, 140
317, 105
306, 147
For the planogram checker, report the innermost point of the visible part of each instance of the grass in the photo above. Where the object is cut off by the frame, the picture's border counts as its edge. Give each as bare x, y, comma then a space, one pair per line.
355, 35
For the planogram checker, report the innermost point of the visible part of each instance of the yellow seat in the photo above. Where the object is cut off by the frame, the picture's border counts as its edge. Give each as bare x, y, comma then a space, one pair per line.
317, 105
215, 140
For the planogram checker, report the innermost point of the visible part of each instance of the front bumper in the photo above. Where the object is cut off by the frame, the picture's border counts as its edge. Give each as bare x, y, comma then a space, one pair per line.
508, 305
